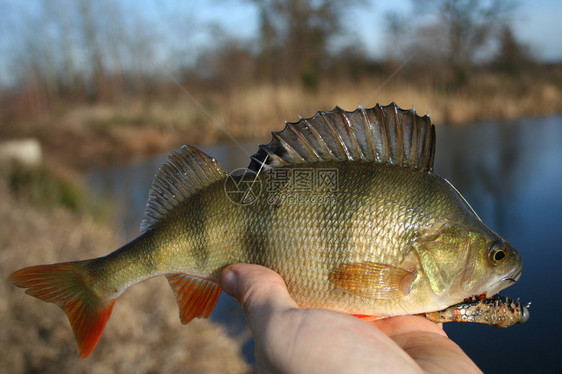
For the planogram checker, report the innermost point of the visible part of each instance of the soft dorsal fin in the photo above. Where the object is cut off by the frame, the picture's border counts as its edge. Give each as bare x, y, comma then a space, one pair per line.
187, 170
383, 134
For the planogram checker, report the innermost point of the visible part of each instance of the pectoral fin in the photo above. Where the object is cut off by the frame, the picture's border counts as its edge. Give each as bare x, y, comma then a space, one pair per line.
373, 280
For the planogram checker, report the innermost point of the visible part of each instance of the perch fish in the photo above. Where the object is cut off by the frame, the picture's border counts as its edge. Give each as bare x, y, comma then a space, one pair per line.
345, 206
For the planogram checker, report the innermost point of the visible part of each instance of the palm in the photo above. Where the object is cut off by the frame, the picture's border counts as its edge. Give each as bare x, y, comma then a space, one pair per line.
289, 339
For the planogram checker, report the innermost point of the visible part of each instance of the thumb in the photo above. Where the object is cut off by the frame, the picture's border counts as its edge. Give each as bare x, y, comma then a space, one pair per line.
261, 291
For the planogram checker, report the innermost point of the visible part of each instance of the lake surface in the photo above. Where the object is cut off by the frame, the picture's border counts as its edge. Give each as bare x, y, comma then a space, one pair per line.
511, 174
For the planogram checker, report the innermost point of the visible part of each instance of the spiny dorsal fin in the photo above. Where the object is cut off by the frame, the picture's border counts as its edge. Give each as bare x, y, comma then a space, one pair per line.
383, 134
187, 170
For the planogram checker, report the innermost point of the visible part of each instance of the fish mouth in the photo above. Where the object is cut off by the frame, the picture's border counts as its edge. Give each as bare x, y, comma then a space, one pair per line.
512, 280
505, 281
508, 281
502, 284
514, 276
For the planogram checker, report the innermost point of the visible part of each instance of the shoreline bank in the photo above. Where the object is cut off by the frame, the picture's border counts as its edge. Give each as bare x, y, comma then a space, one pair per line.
84, 137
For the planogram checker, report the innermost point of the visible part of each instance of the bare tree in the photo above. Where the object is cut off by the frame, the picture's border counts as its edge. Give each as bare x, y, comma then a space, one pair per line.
512, 57
78, 49
92, 43
295, 36
464, 29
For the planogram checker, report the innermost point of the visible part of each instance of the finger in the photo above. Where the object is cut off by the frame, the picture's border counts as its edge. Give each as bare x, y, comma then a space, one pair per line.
427, 344
435, 353
261, 291
407, 324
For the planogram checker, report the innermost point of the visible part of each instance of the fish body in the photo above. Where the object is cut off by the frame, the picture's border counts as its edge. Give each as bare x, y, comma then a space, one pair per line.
344, 206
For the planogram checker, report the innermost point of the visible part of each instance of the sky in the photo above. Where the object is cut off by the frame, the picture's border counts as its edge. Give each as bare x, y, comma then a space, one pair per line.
540, 25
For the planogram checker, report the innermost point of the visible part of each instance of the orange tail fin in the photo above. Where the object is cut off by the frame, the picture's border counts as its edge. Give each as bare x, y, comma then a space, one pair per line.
67, 285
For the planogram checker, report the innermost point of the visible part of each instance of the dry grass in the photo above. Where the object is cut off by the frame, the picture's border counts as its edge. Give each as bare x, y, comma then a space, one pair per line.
144, 334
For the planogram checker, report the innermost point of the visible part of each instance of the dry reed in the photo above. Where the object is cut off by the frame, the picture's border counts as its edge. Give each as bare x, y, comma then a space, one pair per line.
100, 134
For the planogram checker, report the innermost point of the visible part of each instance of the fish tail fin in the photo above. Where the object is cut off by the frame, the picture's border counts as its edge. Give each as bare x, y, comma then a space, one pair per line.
69, 286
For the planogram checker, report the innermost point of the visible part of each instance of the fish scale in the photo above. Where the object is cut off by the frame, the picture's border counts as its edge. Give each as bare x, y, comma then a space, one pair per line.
380, 235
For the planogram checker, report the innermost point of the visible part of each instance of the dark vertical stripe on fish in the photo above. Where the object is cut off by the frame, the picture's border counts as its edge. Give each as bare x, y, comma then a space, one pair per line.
338, 231
200, 248
256, 217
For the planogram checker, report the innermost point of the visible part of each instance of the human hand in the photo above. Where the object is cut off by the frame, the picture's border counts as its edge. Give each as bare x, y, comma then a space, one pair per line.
293, 340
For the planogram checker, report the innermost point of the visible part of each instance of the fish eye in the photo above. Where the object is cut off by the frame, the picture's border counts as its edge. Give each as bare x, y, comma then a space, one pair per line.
497, 253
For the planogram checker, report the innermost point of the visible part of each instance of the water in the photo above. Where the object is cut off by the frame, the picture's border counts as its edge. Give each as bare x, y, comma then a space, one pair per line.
510, 172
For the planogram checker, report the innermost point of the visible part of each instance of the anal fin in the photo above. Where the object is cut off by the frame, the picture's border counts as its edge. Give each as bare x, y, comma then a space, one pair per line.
196, 296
